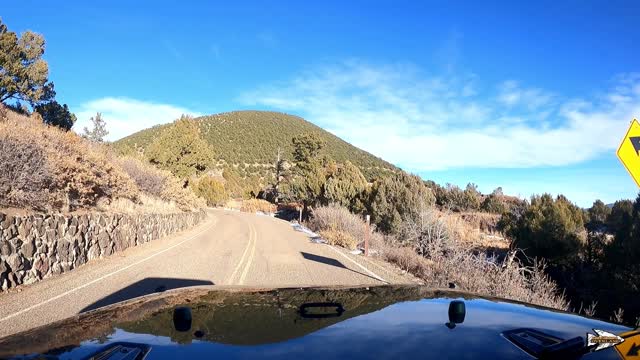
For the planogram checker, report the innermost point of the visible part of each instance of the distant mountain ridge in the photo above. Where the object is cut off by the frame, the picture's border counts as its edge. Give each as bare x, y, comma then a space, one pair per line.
249, 141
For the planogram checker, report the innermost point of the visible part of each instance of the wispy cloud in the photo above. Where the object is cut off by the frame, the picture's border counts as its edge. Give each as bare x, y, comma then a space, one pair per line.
424, 122
512, 94
125, 116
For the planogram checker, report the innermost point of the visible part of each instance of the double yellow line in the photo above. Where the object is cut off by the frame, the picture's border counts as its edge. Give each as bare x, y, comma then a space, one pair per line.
250, 249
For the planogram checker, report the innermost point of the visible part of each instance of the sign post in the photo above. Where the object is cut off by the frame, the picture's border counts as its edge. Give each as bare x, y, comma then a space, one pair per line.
366, 236
629, 151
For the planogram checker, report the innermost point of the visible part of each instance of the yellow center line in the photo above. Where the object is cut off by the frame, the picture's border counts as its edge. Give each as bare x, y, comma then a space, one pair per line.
244, 254
250, 259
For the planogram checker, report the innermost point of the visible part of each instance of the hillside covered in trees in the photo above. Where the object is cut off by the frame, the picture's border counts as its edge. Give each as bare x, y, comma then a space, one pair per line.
250, 140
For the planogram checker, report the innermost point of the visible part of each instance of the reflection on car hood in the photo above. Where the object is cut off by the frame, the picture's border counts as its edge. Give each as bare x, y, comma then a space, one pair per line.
380, 322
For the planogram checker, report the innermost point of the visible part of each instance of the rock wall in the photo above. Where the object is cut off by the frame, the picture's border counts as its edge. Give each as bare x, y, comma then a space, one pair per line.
37, 246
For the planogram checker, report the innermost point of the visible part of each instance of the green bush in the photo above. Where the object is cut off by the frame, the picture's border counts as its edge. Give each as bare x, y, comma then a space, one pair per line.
344, 186
211, 190
546, 228
620, 215
397, 198
493, 204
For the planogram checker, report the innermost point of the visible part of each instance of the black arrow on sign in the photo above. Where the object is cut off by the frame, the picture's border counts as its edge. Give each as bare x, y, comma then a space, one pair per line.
635, 349
635, 141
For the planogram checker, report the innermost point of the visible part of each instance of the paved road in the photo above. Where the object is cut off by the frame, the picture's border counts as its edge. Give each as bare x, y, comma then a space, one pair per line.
229, 248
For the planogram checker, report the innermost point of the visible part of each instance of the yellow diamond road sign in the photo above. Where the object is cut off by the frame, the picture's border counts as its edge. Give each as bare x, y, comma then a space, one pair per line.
629, 151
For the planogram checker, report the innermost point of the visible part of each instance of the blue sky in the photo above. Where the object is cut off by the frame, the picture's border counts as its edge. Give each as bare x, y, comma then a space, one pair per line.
531, 96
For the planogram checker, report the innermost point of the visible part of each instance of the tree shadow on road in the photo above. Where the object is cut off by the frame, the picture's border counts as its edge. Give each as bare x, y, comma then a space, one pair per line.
145, 287
331, 262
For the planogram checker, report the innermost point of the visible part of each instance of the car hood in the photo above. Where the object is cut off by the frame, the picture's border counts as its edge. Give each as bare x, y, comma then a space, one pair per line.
380, 322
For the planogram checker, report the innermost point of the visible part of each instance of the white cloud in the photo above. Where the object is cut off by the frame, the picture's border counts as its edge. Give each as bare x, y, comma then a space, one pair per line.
512, 94
125, 116
423, 122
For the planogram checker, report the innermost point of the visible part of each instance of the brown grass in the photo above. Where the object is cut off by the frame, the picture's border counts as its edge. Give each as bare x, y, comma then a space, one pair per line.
146, 205
337, 218
69, 172
474, 230
48, 169
339, 238
147, 177
445, 259
255, 205
160, 184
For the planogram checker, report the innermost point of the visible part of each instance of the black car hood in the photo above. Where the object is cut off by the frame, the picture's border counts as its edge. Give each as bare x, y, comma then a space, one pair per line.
373, 322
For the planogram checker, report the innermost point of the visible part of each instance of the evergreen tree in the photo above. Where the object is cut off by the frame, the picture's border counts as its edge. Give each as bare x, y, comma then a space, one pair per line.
23, 72
397, 198
546, 228
310, 174
181, 150
98, 130
56, 115
344, 185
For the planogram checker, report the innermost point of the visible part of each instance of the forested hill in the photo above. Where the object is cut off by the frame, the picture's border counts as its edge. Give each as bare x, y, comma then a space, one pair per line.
250, 140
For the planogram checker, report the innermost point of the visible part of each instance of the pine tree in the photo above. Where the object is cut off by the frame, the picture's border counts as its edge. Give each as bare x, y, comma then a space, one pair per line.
181, 150
98, 130
23, 72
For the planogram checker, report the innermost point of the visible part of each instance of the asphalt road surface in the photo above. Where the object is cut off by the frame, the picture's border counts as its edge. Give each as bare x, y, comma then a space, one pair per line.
228, 249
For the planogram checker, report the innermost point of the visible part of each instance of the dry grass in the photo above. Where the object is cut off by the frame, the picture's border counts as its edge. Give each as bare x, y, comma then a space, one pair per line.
339, 238
474, 230
160, 184
146, 205
337, 218
46, 168
149, 179
258, 205
447, 260
334, 218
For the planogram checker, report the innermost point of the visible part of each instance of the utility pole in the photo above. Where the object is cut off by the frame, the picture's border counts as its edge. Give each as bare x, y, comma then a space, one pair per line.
366, 236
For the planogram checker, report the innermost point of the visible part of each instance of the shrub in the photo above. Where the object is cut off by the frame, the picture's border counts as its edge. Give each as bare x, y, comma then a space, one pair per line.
25, 178
337, 218
598, 213
146, 205
620, 215
183, 197
397, 198
428, 234
160, 184
344, 185
339, 238
255, 205
445, 260
493, 204
547, 228
147, 177
73, 172
407, 259
211, 190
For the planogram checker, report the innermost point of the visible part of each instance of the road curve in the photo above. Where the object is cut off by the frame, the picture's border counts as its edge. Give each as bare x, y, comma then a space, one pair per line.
229, 248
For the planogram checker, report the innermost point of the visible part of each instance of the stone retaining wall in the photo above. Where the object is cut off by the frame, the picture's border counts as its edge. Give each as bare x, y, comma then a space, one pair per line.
33, 247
